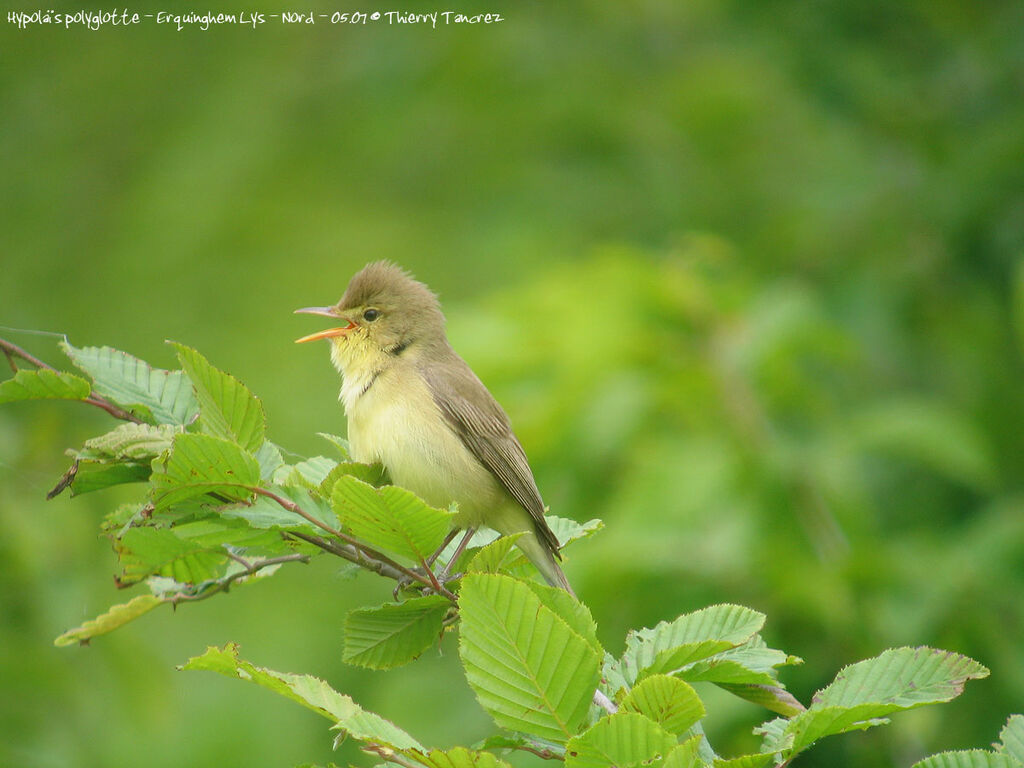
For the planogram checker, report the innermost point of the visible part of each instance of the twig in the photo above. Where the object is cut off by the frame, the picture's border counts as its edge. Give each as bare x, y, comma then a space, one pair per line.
222, 585
12, 351
605, 703
544, 753
361, 550
389, 755
350, 553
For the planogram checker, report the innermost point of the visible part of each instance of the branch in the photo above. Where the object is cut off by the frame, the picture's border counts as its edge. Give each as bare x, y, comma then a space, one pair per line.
364, 554
350, 553
12, 351
222, 585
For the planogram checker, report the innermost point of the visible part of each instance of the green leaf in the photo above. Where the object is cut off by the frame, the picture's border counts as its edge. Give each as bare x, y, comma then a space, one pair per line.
691, 637
623, 740
393, 634
968, 758
1012, 736
153, 394
567, 530
310, 692
530, 671
44, 385
202, 464
227, 408
116, 616
130, 441
667, 701
460, 757
864, 693
390, 518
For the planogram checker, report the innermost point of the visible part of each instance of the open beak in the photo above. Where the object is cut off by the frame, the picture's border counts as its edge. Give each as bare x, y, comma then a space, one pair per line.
329, 332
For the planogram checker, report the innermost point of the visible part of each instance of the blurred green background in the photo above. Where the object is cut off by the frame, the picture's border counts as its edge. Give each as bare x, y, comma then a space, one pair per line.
746, 275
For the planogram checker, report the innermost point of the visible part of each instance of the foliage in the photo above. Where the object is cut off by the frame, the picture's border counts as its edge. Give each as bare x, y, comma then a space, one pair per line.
221, 506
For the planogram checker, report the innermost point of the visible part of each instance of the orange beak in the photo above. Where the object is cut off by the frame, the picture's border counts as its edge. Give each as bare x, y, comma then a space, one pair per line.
329, 332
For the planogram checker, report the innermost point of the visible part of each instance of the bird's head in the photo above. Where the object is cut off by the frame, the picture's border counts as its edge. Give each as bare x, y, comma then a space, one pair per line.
384, 312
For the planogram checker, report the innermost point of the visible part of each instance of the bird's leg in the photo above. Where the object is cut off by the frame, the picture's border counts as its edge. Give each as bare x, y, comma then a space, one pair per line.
443, 576
405, 581
447, 540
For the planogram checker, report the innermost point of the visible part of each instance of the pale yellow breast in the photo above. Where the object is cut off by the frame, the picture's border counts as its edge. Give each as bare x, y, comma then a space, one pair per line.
397, 423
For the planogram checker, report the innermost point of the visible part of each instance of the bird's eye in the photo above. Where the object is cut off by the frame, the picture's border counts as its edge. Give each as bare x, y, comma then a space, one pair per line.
371, 314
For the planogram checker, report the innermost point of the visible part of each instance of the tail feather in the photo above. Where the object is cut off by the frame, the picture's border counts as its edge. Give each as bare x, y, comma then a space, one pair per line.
544, 560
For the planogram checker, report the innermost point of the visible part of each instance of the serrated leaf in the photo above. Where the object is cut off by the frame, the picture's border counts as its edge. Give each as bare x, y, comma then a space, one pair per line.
227, 408
310, 692
623, 740
864, 693
153, 394
903, 677
393, 634
1012, 736
460, 757
391, 518
44, 385
115, 616
667, 701
131, 441
202, 464
567, 530
691, 637
529, 670
969, 758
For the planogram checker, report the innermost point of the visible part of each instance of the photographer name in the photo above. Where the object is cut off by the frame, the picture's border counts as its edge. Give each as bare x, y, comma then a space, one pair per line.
94, 20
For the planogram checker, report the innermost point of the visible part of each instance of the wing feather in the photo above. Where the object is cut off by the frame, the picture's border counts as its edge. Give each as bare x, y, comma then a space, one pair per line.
484, 429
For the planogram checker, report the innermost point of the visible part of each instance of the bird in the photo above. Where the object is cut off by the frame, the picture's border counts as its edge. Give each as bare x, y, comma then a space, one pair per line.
416, 407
